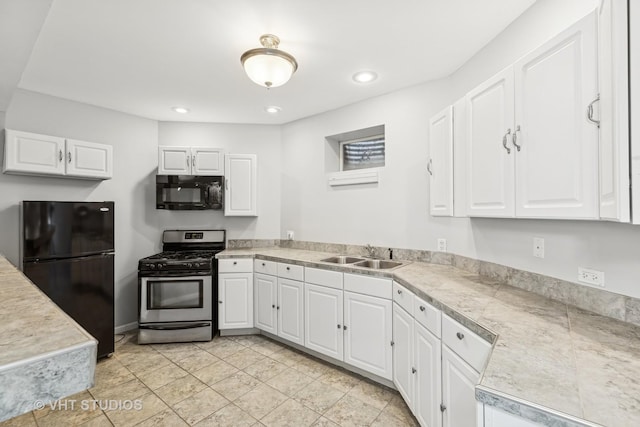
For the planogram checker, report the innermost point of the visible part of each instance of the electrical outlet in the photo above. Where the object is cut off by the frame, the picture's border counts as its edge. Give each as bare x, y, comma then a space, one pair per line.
442, 245
289, 235
591, 277
538, 247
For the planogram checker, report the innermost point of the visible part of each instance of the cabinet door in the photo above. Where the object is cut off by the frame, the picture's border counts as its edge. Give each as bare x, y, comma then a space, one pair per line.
369, 351
89, 160
494, 417
265, 296
174, 161
32, 153
235, 300
240, 197
403, 376
428, 391
557, 164
458, 391
290, 310
490, 154
634, 76
440, 165
207, 161
460, 158
323, 320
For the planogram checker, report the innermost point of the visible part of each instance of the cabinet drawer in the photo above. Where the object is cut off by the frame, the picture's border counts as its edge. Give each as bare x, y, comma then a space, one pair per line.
317, 276
235, 265
291, 271
427, 315
465, 343
265, 267
403, 297
368, 285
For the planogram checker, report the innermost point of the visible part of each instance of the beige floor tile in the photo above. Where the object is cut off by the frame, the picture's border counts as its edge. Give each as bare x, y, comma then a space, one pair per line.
268, 347
229, 416
236, 385
289, 382
244, 358
399, 409
150, 362
180, 352
198, 359
288, 357
156, 378
372, 394
99, 421
150, 406
166, 418
350, 411
200, 406
130, 390
290, 414
111, 372
180, 389
250, 340
24, 420
265, 369
318, 396
260, 401
221, 347
324, 422
339, 379
68, 411
311, 367
385, 419
216, 372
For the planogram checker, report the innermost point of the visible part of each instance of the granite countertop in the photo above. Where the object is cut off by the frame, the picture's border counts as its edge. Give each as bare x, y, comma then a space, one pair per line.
551, 362
38, 342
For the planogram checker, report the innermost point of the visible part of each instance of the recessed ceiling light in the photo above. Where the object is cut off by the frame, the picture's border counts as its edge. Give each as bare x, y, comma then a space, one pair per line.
365, 76
180, 110
272, 109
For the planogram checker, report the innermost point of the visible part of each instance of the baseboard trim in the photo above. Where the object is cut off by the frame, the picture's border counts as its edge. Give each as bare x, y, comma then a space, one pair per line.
125, 328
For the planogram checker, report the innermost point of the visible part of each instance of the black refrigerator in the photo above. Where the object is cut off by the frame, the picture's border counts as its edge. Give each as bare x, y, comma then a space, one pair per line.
68, 251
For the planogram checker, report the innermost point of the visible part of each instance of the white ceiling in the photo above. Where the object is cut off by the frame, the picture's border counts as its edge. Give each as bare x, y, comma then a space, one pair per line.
145, 56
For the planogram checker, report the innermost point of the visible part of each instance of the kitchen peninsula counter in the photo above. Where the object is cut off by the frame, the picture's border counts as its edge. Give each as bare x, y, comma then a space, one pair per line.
44, 354
552, 363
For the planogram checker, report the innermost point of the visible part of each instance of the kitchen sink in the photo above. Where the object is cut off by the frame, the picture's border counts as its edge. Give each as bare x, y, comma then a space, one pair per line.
342, 259
377, 264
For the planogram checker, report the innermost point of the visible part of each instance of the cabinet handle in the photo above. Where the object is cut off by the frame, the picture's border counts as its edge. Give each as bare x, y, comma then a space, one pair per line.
414, 370
344, 327
193, 161
226, 184
590, 112
392, 343
460, 335
339, 327
273, 306
188, 160
422, 308
442, 407
514, 139
69, 156
430, 166
504, 141
60, 155
219, 302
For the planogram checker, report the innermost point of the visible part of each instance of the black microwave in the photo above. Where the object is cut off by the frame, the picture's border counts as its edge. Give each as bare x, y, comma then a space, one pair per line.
187, 192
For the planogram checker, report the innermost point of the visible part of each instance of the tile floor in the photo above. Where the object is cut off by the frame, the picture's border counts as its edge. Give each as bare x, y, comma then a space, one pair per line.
230, 381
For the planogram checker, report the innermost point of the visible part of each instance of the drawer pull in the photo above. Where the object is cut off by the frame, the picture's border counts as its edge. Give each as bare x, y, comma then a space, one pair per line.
235, 262
399, 291
219, 302
422, 308
460, 335
263, 264
288, 268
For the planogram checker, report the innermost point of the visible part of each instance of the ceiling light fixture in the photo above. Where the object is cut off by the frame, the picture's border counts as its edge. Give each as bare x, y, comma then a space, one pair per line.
272, 109
181, 110
268, 66
365, 76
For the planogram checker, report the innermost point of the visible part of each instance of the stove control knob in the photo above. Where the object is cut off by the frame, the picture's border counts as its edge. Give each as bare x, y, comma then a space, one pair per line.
152, 266
190, 265
160, 265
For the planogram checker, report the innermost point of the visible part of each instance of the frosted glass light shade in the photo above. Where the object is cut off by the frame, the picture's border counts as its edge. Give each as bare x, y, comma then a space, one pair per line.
268, 66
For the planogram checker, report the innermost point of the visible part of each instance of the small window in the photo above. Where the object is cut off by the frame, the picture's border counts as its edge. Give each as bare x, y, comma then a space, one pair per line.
362, 153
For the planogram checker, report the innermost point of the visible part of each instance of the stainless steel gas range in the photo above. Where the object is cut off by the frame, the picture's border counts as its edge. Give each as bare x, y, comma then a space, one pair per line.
178, 287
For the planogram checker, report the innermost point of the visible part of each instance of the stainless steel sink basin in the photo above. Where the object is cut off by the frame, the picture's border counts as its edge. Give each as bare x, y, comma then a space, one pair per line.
377, 264
342, 259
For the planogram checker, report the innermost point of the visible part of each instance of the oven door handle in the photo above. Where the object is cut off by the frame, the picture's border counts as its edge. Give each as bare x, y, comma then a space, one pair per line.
175, 327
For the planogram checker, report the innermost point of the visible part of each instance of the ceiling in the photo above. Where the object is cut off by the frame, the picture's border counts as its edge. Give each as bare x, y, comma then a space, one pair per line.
144, 57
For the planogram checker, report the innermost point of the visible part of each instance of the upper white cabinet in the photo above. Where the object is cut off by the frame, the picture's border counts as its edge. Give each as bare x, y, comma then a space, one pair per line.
531, 150
440, 166
241, 182
190, 161
34, 154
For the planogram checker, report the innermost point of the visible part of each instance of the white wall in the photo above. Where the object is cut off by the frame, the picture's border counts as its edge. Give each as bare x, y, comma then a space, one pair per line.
134, 142
394, 212
263, 140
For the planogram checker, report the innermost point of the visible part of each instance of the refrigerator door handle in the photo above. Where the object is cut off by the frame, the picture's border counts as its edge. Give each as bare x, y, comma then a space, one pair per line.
166, 327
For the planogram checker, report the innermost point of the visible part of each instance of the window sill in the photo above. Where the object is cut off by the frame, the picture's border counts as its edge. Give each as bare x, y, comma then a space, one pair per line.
353, 177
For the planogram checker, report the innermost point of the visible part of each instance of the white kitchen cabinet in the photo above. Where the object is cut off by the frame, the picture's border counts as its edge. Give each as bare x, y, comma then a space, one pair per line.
35, 154
531, 150
323, 315
290, 310
428, 385
265, 294
241, 185
494, 417
190, 161
634, 76
403, 354
458, 391
440, 165
362, 348
235, 293
460, 158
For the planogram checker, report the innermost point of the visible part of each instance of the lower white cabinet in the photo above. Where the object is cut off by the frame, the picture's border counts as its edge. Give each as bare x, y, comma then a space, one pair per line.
403, 354
265, 294
494, 417
235, 294
323, 317
290, 310
458, 391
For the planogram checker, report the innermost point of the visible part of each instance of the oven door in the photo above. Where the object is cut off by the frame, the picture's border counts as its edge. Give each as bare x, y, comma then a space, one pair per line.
176, 299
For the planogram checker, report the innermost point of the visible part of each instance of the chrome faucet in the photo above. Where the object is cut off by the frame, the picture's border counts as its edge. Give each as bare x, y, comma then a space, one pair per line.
371, 251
